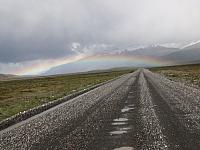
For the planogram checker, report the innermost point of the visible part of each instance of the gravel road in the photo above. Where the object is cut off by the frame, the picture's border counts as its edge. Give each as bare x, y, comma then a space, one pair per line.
141, 110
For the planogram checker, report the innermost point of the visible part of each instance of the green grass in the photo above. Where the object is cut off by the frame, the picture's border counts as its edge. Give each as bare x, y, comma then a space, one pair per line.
188, 73
20, 95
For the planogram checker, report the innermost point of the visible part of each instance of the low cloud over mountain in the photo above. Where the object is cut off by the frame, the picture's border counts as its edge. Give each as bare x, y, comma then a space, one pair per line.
44, 33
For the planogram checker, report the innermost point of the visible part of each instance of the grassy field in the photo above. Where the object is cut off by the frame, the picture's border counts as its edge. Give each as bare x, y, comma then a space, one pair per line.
20, 95
187, 73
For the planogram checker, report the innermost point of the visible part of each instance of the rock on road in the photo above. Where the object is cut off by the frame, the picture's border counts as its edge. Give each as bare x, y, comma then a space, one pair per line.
141, 110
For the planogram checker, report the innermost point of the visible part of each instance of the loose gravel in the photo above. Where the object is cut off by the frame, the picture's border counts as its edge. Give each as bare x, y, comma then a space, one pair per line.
153, 137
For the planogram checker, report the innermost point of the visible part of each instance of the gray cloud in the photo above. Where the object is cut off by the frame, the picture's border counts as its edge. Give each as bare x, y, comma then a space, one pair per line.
34, 30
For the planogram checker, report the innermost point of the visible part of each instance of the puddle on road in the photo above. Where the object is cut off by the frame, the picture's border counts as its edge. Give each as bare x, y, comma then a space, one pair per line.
124, 148
119, 123
118, 132
126, 109
120, 119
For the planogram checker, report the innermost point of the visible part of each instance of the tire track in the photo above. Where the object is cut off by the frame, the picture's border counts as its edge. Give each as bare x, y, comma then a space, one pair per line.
176, 135
151, 133
183, 100
177, 132
120, 132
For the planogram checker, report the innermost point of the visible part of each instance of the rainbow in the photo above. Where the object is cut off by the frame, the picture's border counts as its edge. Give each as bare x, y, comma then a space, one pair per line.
135, 59
42, 66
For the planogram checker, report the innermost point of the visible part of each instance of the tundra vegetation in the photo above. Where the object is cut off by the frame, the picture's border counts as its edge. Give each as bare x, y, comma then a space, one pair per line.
189, 74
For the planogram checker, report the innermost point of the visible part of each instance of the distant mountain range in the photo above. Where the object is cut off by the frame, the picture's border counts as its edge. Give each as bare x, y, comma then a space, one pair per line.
188, 54
154, 50
84, 65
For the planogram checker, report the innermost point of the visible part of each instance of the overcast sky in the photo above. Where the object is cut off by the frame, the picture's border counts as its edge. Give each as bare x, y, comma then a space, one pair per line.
36, 31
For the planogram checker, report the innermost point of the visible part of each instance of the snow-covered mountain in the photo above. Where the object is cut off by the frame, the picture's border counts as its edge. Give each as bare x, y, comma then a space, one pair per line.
192, 45
153, 50
189, 53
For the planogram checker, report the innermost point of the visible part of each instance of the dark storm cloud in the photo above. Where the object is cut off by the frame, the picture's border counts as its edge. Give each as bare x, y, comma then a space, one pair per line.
46, 29
19, 51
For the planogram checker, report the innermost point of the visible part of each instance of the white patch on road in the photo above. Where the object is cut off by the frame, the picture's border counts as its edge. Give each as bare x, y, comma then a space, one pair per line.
124, 148
120, 119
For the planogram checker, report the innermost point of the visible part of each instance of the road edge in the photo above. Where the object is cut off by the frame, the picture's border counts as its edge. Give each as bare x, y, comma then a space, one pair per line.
39, 109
